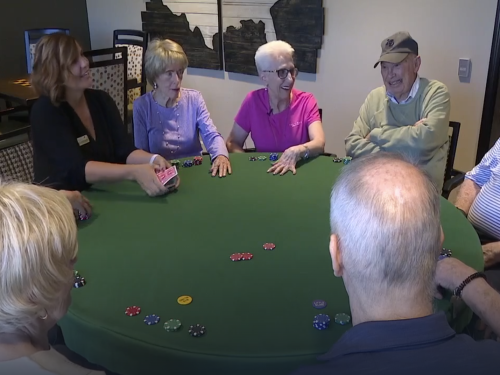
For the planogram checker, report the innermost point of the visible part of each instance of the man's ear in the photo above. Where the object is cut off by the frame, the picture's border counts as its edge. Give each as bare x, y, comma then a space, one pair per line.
417, 63
336, 255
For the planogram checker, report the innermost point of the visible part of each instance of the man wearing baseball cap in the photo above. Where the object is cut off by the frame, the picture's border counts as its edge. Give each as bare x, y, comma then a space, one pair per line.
409, 114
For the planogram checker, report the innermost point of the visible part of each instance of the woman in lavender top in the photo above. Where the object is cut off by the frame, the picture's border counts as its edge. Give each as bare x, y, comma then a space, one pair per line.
169, 119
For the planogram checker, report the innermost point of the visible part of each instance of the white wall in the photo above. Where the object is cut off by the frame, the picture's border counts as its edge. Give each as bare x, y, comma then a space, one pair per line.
446, 30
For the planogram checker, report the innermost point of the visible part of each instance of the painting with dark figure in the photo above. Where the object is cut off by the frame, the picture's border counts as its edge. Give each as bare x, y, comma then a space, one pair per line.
194, 24
252, 23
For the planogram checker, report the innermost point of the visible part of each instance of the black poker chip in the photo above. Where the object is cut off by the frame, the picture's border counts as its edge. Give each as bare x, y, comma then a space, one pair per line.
197, 330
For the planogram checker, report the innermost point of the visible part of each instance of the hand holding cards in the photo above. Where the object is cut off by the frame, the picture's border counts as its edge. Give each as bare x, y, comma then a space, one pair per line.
168, 175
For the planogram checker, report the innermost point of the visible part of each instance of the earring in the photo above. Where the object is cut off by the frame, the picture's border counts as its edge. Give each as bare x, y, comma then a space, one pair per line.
155, 85
45, 316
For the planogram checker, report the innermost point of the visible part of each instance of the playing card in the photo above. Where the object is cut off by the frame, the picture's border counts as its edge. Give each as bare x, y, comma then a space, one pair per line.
166, 175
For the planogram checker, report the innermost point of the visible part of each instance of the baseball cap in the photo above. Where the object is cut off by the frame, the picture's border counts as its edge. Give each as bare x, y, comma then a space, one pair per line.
396, 47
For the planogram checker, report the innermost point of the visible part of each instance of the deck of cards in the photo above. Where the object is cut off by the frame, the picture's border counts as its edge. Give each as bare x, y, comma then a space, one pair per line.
167, 175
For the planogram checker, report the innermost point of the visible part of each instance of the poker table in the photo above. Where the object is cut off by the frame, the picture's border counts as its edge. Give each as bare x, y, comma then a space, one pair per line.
258, 313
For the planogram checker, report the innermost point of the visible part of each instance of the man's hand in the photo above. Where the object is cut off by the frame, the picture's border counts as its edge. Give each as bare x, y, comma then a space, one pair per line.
491, 253
420, 122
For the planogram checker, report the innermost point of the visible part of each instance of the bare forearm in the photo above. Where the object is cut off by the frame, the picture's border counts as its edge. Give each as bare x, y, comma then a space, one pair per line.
466, 195
316, 147
233, 147
139, 157
485, 302
96, 171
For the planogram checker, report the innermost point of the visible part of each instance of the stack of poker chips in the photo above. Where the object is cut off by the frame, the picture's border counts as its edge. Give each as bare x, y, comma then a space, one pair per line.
198, 160
252, 158
321, 322
187, 163
347, 160
172, 325
273, 156
262, 158
342, 319
337, 160
79, 281
445, 253
197, 330
175, 163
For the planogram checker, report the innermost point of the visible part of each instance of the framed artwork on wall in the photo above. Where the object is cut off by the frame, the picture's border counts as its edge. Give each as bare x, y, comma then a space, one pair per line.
194, 24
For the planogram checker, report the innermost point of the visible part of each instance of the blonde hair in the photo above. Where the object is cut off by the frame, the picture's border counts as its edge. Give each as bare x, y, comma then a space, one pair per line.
267, 54
162, 54
54, 55
38, 241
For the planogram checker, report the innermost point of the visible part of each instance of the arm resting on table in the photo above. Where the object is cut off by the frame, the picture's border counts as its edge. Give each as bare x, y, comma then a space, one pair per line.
466, 195
485, 302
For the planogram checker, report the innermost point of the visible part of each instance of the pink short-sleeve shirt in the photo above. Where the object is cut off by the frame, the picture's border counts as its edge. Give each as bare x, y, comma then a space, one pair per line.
277, 132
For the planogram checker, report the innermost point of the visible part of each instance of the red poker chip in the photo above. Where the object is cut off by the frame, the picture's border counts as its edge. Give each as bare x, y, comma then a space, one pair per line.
269, 246
236, 257
133, 311
247, 256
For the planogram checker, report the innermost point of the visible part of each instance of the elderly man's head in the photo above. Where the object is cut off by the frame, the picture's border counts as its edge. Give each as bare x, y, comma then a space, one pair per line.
386, 233
399, 64
276, 67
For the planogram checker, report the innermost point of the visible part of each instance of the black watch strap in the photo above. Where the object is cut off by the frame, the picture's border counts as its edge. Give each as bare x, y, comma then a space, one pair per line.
458, 291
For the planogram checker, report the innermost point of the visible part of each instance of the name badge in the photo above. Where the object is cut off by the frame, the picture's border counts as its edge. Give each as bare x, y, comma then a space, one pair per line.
83, 140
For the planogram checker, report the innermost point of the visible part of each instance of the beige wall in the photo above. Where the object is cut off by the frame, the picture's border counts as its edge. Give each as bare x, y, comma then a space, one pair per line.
445, 29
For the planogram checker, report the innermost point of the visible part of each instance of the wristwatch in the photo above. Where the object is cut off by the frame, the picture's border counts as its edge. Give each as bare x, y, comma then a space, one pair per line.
306, 155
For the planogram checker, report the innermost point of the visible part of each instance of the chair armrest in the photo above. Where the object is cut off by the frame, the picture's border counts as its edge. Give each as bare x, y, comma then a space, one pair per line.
10, 129
453, 183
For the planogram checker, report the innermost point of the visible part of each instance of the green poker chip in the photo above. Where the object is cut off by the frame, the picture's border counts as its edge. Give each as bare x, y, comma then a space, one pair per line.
172, 325
342, 319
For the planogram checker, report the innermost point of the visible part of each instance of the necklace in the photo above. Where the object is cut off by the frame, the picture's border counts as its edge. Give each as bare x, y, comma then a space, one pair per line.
176, 119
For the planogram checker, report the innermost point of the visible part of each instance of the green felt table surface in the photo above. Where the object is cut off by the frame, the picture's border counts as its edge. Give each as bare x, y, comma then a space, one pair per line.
137, 250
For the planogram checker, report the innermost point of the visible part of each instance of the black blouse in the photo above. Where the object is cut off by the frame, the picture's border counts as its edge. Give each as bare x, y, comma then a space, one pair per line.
62, 146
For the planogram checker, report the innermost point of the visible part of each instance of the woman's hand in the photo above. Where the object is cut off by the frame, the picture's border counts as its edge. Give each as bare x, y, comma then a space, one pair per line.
160, 163
78, 202
145, 175
287, 161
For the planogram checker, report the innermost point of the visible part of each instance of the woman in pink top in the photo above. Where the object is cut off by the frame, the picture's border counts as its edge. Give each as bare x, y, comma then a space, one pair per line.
279, 117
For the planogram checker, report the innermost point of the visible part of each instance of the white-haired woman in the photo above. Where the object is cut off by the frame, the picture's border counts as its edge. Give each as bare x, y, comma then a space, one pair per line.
279, 117
169, 119
38, 248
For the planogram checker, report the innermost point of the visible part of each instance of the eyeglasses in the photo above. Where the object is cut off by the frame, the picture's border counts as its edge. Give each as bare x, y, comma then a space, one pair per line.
283, 73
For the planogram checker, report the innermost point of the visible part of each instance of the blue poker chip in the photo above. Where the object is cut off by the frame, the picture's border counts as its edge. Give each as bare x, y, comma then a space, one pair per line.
319, 304
322, 318
151, 319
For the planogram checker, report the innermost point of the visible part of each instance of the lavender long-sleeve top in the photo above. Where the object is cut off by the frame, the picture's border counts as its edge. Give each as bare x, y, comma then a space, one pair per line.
174, 132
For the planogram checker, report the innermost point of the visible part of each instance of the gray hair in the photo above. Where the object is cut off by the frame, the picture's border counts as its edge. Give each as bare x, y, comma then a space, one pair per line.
267, 54
386, 214
160, 55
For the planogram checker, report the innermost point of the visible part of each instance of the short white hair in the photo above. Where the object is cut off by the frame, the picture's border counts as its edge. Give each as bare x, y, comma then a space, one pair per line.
268, 53
386, 214
38, 241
